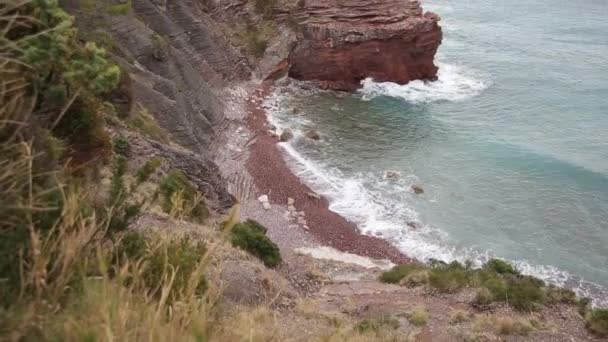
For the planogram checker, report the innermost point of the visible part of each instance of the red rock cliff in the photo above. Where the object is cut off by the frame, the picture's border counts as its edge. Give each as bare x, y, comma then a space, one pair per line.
342, 42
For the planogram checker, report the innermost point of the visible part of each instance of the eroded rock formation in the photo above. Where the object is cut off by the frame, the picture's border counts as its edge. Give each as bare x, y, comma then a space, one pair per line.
342, 42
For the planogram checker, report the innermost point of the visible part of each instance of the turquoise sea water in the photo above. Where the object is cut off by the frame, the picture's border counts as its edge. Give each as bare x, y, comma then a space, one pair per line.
510, 145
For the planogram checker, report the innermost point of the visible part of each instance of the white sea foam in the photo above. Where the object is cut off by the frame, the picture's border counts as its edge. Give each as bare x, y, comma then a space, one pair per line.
379, 207
454, 83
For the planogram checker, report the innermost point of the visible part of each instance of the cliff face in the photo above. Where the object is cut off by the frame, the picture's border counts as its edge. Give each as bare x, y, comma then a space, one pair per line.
342, 42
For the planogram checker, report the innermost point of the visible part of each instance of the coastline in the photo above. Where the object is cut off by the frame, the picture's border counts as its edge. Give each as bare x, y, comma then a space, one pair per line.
273, 177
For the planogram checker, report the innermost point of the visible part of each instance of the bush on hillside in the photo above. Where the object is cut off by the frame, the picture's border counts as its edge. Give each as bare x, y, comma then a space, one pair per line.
180, 257
121, 146
181, 198
146, 171
395, 274
251, 237
597, 321
450, 278
500, 267
375, 325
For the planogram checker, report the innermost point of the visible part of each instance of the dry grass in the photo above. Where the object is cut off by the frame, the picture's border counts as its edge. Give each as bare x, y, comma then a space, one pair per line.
459, 316
505, 325
419, 316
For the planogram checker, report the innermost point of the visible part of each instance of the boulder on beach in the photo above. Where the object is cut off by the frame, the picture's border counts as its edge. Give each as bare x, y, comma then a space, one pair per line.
312, 134
417, 189
286, 135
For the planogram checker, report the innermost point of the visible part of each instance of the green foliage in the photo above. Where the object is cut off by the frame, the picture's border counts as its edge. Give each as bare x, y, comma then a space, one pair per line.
180, 197
394, 275
144, 173
525, 293
66, 76
483, 297
450, 278
160, 47
122, 209
183, 256
582, 305
121, 146
497, 281
500, 266
251, 237
375, 325
117, 188
120, 9
255, 37
142, 121
556, 294
597, 321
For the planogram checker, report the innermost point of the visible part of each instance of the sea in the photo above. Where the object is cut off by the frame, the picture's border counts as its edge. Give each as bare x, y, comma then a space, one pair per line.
510, 144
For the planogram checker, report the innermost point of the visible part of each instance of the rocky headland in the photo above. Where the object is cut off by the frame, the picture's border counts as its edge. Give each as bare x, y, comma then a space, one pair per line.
343, 42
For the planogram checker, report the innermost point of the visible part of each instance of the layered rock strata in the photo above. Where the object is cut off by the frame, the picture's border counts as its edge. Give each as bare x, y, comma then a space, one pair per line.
342, 42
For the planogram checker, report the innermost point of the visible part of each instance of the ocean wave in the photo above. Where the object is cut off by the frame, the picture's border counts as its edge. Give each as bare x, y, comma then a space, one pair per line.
381, 207
454, 83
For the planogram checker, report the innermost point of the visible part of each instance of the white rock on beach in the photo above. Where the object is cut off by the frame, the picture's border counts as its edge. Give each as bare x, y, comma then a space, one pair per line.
291, 201
266, 205
263, 199
291, 208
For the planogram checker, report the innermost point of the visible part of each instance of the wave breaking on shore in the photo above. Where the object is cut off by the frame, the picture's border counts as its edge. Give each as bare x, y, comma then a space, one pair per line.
454, 83
379, 207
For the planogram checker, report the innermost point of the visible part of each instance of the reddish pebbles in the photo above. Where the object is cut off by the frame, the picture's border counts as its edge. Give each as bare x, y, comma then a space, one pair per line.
272, 176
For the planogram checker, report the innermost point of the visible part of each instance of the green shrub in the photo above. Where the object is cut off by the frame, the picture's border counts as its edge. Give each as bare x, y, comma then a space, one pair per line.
597, 321
416, 279
180, 197
395, 274
483, 297
160, 47
149, 167
375, 325
500, 267
119, 9
582, 305
556, 294
142, 121
496, 285
121, 146
180, 255
250, 236
525, 294
255, 37
450, 278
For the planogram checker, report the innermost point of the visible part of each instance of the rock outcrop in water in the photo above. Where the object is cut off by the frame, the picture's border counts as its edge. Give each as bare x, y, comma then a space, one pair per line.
342, 42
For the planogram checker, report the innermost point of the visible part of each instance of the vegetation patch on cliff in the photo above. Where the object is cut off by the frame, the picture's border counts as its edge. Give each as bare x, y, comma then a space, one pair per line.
251, 236
496, 281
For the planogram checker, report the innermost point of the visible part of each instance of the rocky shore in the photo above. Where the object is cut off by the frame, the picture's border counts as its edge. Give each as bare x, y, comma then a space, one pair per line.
273, 178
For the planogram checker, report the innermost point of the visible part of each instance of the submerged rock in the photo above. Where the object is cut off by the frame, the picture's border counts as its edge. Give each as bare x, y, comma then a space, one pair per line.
392, 175
312, 134
286, 135
417, 189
